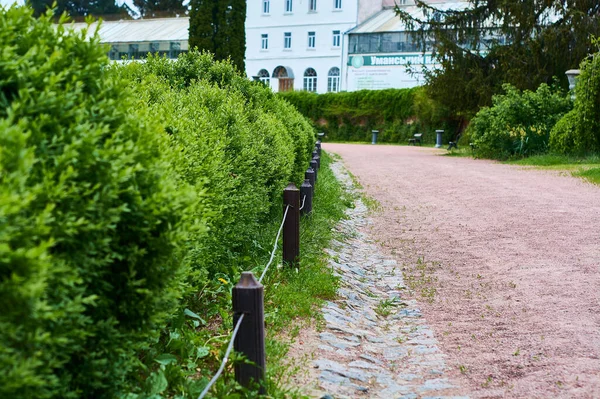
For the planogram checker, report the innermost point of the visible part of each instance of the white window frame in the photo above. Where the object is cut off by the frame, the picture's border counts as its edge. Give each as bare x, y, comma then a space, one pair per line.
333, 81
287, 40
310, 81
266, 6
289, 6
312, 5
264, 41
265, 79
312, 40
337, 4
336, 38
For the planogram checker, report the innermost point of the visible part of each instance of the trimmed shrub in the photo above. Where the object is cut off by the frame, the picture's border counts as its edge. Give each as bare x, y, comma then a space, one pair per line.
237, 138
91, 217
518, 123
579, 131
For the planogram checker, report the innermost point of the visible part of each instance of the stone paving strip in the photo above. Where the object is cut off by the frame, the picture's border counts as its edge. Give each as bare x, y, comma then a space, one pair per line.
375, 344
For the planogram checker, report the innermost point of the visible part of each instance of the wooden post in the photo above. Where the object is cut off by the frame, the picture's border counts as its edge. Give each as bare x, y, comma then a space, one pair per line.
313, 165
248, 299
318, 145
291, 226
306, 193
310, 175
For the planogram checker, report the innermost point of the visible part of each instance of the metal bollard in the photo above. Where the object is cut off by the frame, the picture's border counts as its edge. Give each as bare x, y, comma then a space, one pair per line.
248, 299
310, 175
291, 225
318, 159
318, 145
306, 193
374, 134
438, 139
314, 166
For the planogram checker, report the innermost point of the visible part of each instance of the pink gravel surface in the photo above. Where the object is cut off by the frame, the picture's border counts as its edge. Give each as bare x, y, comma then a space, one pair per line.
513, 255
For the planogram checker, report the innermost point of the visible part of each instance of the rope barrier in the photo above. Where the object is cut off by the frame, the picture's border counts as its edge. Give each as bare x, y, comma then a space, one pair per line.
225, 358
274, 245
303, 199
239, 322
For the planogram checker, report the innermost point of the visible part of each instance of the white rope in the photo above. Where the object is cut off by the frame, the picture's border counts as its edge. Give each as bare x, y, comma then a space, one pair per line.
274, 245
237, 326
303, 199
227, 352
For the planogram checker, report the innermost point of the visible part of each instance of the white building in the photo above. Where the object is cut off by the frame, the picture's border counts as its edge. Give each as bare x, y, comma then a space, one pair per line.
379, 51
297, 44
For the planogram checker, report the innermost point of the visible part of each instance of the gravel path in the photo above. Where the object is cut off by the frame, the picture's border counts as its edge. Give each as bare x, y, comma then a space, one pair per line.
503, 261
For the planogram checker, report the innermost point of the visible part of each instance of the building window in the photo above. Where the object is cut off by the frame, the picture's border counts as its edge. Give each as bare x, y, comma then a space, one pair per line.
264, 41
312, 5
154, 47
287, 40
266, 6
333, 80
174, 49
288, 5
263, 76
114, 53
310, 80
337, 4
336, 38
134, 51
311, 39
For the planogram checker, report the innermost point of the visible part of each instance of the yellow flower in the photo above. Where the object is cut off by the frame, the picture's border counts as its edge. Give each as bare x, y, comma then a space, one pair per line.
223, 280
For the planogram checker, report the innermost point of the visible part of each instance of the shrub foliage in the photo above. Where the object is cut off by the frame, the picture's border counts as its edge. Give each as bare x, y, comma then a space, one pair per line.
122, 191
518, 123
579, 131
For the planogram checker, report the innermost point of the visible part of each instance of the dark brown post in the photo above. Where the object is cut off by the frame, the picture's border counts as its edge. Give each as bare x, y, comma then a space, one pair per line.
291, 226
318, 159
310, 175
313, 165
318, 145
306, 193
248, 299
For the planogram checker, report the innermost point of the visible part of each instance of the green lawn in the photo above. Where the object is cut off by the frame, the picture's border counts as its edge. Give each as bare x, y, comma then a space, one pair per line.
587, 168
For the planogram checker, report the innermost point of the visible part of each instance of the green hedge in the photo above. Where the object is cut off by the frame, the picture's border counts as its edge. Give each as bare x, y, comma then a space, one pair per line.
350, 116
122, 191
236, 138
91, 217
396, 113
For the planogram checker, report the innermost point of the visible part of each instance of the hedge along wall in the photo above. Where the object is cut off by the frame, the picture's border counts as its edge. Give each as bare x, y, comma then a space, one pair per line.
350, 116
107, 190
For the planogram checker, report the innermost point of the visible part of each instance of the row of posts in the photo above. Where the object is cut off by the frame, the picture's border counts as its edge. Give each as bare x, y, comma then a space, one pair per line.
248, 294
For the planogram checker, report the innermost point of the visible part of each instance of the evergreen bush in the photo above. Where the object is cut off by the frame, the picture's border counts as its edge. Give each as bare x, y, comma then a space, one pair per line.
92, 215
518, 123
579, 131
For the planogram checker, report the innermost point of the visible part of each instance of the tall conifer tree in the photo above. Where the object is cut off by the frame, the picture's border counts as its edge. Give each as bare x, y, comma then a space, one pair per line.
217, 26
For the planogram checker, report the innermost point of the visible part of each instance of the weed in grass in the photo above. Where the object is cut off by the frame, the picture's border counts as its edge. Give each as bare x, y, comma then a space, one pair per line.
385, 307
463, 369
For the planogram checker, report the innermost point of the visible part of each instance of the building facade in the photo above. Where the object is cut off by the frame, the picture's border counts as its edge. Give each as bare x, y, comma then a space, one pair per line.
380, 53
297, 44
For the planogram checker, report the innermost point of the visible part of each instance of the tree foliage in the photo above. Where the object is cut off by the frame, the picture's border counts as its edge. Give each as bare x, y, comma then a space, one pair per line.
80, 8
159, 8
521, 42
217, 26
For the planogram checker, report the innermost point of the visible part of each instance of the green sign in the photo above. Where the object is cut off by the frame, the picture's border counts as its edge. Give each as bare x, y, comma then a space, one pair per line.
358, 61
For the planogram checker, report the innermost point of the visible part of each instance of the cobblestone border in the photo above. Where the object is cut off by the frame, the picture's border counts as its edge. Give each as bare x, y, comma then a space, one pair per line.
375, 344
